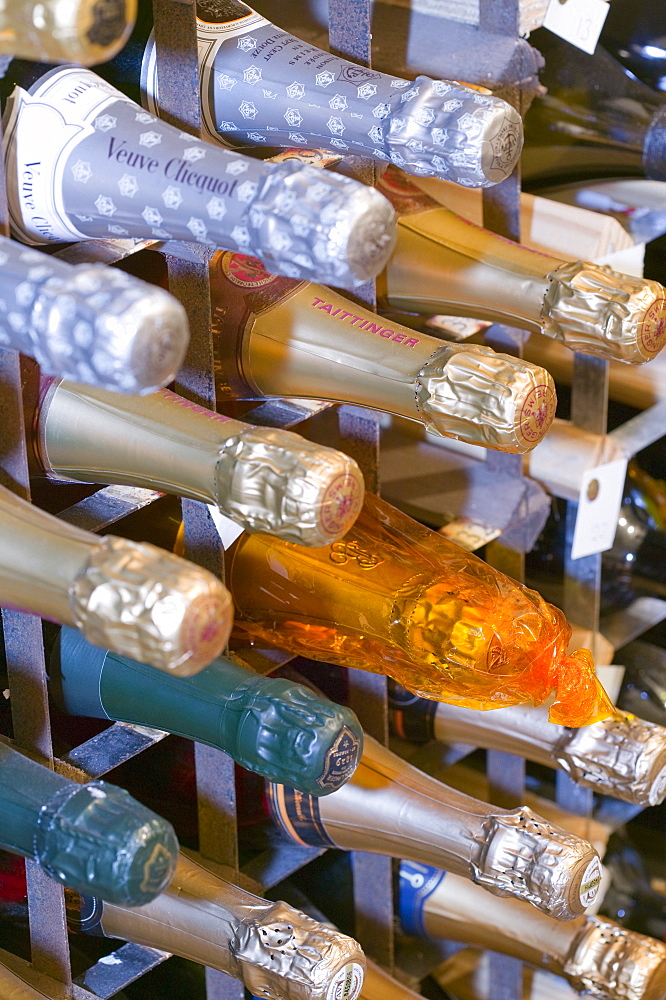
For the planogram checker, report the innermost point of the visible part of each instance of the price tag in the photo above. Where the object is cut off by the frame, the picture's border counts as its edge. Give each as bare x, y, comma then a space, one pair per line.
470, 534
598, 508
577, 21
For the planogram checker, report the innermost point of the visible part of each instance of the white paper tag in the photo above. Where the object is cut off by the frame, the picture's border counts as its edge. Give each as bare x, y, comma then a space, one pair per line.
577, 21
469, 533
227, 529
598, 508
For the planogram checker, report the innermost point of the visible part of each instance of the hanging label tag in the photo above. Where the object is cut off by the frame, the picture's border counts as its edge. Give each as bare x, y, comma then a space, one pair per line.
227, 529
577, 21
598, 508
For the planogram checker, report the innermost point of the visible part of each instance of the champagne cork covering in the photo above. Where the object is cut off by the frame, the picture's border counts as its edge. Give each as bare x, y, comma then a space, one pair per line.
90, 323
145, 603
85, 31
622, 756
473, 394
527, 857
277, 482
613, 963
597, 311
97, 839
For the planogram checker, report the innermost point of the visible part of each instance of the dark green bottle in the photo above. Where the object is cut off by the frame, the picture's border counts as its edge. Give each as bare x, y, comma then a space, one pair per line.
94, 838
279, 729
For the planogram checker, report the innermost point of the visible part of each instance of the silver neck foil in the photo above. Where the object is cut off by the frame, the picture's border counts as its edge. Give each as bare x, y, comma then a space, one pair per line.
612, 963
145, 603
414, 816
277, 951
277, 482
471, 393
266, 479
90, 323
597, 311
624, 756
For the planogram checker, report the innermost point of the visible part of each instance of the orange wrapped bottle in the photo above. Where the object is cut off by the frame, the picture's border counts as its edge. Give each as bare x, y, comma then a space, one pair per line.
396, 598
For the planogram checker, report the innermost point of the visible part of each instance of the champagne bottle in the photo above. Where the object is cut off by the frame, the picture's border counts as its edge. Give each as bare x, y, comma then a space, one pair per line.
595, 956
278, 952
643, 688
390, 807
266, 479
90, 323
396, 598
84, 31
94, 838
261, 85
622, 756
595, 119
634, 34
134, 598
443, 264
279, 337
278, 729
85, 162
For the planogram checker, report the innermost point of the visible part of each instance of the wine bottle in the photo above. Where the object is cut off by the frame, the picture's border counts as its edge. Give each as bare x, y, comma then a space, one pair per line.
396, 598
83, 31
596, 120
643, 688
278, 952
90, 323
94, 838
634, 33
266, 479
278, 729
443, 264
279, 337
262, 86
594, 955
634, 897
85, 162
136, 599
623, 756
390, 807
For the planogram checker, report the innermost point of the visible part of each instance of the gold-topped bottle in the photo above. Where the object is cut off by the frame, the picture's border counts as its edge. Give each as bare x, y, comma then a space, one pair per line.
280, 337
394, 597
443, 264
57, 31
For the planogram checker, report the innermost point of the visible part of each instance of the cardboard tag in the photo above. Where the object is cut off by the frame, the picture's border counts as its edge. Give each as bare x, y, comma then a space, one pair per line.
577, 21
598, 508
227, 529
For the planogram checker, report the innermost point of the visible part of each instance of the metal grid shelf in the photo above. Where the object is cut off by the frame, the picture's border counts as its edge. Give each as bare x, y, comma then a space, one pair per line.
350, 35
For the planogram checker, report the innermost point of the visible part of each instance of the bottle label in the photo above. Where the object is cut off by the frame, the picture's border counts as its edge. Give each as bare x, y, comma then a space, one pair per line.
589, 887
417, 883
85, 162
406, 198
341, 760
241, 289
347, 983
297, 814
412, 717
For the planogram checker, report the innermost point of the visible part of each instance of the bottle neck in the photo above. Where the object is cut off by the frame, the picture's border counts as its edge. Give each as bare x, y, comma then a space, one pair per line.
25, 788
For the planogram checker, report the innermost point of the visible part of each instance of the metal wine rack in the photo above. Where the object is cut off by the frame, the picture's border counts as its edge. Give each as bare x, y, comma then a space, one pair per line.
490, 54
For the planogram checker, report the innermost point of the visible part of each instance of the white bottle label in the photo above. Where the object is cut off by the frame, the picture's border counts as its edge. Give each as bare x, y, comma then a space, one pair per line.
347, 983
591, 881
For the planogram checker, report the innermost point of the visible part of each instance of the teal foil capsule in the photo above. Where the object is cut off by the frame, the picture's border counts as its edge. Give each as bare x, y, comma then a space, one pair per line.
92, 838
272, 726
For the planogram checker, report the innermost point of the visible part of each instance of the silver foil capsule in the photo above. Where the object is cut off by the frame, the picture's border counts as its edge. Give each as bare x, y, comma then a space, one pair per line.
595, 310
278, 952
471, 393
277, 482
613, 963
527, 857
90, 323
624, 757
150, 605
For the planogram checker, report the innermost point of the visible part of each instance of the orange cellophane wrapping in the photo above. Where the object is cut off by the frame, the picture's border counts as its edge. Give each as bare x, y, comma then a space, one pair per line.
396, 598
